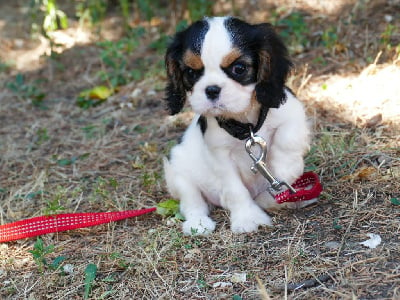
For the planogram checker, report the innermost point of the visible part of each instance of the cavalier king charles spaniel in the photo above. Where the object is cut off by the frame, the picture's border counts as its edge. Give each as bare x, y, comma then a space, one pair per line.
233, 76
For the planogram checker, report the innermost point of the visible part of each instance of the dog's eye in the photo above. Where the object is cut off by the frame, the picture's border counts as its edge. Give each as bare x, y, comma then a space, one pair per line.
239, 69
192, 74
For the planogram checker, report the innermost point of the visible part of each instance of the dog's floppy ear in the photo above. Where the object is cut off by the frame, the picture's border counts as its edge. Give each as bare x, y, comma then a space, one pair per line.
273, 67
175, 90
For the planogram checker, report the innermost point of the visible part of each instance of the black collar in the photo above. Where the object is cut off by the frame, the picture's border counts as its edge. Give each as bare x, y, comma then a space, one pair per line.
241, 130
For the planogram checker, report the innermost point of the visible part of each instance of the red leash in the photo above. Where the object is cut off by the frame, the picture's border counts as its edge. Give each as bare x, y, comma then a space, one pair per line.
62, 222
307, 187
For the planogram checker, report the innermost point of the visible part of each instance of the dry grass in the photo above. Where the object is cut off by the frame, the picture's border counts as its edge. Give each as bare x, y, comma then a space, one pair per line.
115, 155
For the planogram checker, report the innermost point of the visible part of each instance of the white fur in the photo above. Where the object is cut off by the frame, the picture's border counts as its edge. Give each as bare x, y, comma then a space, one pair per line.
214, 167
234, 97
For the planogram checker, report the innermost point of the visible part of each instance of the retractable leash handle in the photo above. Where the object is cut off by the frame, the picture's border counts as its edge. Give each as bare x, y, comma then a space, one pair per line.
259, 162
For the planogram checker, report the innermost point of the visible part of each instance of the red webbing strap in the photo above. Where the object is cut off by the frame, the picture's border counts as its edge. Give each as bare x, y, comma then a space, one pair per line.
62, 222
307, 187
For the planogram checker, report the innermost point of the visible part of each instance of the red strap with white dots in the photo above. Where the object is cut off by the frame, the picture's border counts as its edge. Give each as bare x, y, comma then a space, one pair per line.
62, 222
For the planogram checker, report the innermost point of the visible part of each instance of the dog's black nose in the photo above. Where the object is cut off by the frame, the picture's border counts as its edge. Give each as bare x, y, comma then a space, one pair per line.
213, 92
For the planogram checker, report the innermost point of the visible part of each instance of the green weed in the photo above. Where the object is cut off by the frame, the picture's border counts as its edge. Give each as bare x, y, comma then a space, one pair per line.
199, 8
40, 252
90, 276
160, 45
169, 208
53, 206
387, 35
25, 91
145, 8
96, 130
116, 71
294, 31
120, 260
47, 17
103, 189
336, 147
150, 180
63, 162
336, 224
330, 38
91, 12
320, 61
202, 283
41, 136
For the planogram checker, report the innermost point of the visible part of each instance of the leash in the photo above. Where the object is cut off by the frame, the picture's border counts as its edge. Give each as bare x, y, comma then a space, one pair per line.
305, 188
62, 222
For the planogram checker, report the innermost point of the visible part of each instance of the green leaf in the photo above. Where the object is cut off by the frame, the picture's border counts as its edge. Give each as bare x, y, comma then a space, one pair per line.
62, 17
336, 224
395, 201
57, 262
90, 275
168, 208
84, 156
65, 162
19, 79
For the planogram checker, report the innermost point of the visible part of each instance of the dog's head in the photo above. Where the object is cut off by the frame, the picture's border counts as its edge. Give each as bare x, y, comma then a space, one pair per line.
222, 65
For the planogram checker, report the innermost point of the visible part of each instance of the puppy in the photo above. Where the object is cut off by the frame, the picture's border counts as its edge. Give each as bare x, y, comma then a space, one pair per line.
233, 75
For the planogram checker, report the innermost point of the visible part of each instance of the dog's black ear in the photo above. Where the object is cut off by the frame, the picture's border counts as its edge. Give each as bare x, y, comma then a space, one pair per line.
175, 90
273, 67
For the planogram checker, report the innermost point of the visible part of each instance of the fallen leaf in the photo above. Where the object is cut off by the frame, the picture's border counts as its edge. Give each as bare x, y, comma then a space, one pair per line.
100, 92
365, 173
373, 121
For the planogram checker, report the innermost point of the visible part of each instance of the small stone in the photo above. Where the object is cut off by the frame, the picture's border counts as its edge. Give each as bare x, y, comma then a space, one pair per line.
136, 93
68, 268
221, 284
239, 277
388, 18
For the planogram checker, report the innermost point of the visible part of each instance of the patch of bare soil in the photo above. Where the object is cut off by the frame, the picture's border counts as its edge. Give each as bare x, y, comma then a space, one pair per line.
61, 158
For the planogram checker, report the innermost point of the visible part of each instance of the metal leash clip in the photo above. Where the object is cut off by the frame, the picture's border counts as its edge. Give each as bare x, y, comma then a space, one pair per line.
259, 162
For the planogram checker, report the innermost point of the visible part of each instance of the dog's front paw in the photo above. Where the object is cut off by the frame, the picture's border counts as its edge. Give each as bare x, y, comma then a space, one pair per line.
198, 226
249, 220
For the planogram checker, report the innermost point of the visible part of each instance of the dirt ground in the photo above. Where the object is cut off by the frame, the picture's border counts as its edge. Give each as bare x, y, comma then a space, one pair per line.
57, 157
